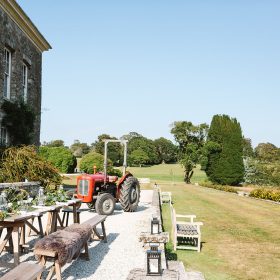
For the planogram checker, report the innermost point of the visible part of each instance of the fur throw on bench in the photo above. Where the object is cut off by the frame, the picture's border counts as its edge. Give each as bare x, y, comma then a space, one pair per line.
66, 243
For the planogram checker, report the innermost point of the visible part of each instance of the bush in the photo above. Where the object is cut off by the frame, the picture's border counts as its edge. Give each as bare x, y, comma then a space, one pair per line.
218, 187
61, 157
23, 163
264, 193
95, 159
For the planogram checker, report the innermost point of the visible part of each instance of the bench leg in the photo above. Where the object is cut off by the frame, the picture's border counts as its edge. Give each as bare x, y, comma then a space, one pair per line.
42, 262
86, 252
57, 270
51, 273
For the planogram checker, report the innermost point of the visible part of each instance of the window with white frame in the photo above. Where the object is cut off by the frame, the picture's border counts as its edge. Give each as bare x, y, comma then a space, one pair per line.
7, 73
3, 136
24, 81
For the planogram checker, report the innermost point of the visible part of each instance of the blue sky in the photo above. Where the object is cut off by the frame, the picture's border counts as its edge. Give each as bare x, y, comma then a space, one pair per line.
121, 66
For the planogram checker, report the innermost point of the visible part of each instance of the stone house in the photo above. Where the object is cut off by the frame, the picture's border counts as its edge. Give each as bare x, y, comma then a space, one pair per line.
21, 48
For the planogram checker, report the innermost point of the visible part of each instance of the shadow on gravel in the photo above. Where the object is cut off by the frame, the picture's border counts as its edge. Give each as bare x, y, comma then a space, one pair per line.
81, 269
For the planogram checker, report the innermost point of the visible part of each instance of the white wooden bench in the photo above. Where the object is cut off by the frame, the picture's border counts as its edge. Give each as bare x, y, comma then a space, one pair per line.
24, 271
186, 232
165, 197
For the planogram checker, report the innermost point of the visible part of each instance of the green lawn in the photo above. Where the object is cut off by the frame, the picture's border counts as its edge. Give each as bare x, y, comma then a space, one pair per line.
240, 236
166, 173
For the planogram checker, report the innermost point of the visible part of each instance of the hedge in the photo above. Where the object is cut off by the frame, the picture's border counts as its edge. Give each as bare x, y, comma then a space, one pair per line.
218, 187
265, 193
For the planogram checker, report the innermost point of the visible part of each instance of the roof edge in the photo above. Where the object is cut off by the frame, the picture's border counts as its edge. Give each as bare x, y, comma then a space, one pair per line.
16, 13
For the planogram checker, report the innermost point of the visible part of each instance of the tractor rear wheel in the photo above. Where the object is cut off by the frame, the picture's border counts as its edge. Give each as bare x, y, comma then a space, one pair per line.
130, 194
105, 204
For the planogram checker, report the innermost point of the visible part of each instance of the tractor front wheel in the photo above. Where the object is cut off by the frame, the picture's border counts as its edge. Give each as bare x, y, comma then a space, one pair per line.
105, 204
91, 205
130, 194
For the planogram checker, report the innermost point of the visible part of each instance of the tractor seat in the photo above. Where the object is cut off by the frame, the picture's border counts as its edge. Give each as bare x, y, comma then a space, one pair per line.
113, 179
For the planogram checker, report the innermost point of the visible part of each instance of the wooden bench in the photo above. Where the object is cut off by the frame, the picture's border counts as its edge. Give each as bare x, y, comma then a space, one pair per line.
63, 246
24, 271
93, 222
186, 232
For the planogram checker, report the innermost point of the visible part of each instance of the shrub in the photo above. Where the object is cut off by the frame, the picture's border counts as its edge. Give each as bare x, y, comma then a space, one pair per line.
265, 193
61, 157
23, 163
92, 159
218, 187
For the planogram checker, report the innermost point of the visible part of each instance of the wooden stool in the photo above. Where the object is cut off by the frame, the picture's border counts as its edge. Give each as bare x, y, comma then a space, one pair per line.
66, 213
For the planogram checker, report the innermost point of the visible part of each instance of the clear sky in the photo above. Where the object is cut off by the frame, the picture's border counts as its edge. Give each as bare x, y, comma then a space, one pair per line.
121, 66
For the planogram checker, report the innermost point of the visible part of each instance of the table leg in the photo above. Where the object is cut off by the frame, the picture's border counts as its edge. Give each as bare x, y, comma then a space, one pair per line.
75, 215
6, 239
49, 223
15, 237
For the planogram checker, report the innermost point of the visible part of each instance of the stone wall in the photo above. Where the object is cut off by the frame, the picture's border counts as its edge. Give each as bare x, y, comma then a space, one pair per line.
23, 50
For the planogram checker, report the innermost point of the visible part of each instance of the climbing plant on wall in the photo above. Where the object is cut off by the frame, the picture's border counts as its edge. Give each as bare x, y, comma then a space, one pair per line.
19, 121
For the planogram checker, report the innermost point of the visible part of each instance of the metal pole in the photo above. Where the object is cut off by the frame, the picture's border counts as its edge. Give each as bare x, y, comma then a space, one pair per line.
124, 157
105, 162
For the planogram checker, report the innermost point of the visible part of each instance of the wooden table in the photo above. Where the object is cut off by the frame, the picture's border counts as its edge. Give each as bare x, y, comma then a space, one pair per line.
16, 225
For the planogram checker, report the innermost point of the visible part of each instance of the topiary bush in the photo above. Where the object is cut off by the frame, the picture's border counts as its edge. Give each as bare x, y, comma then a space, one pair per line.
61, 157
22, 163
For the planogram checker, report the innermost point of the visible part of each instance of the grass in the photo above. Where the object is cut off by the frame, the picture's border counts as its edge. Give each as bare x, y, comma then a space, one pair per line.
163, 173
240, 236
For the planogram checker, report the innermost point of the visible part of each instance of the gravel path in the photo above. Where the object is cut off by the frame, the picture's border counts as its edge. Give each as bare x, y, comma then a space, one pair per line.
122, 253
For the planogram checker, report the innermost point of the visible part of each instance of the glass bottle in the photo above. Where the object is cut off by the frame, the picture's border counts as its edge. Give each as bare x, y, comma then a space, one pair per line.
41, 197
3, 201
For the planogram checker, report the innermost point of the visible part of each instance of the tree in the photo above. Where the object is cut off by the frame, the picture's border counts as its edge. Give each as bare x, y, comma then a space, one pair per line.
225, 159
267, 152
146, 145
248, 150
54, 143
167, 151
60, 157
138, 157
190, 139
114, 149
130, 136
79, 149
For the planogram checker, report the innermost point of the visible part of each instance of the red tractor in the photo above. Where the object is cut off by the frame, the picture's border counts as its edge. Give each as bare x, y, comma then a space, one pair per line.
101, 191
